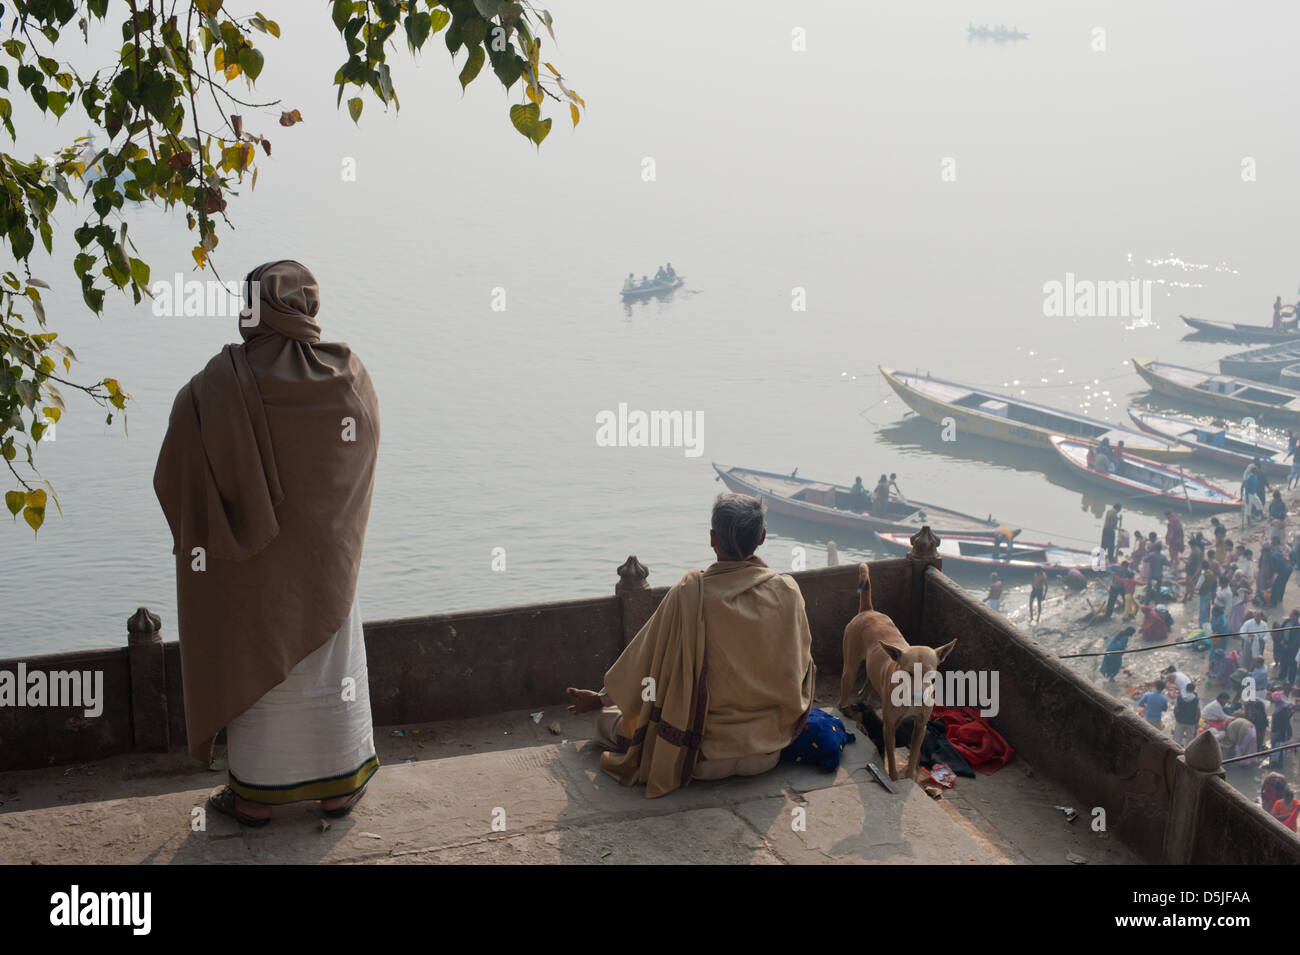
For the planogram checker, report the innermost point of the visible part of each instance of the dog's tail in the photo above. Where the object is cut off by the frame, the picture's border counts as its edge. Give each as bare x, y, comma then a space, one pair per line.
864, 589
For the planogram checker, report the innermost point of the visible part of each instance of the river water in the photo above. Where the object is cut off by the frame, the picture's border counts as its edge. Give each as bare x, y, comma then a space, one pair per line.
916, 189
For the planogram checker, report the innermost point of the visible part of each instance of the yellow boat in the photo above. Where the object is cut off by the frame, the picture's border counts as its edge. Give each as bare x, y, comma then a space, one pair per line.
987, 414
1269, 405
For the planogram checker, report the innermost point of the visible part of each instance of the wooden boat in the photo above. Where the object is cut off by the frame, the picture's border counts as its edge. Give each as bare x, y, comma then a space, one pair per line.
1232, 446
657, 288
1289, 377
1268, 404
984, 33
1237, 332
1262, 364
833, 505
1140, 481
976, 552
1004, 418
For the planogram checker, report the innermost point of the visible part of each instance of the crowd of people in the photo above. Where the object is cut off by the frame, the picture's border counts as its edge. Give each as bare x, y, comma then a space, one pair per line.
1233, 592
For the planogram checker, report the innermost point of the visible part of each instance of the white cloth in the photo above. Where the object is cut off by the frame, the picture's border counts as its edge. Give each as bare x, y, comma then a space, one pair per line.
1213, 711
305, 729
1181, 680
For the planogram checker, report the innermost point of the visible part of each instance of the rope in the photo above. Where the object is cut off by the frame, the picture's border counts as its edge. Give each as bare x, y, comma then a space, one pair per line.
1262, 752
1177, 643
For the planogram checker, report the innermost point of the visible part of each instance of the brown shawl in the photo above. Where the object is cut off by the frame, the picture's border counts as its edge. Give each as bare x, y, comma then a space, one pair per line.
268, 466
730, 654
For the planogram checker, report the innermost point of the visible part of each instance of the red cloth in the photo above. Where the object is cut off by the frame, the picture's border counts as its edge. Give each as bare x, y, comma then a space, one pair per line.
1286, 814
973, 737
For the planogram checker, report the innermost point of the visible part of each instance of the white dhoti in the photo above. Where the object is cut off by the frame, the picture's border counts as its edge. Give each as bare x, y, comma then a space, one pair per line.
310, 737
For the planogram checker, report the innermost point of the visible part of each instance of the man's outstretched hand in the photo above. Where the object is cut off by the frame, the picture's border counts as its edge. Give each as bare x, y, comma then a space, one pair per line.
584, 701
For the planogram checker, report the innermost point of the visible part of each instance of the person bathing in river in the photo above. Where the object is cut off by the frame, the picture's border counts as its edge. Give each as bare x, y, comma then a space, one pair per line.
1037, 592
994, 598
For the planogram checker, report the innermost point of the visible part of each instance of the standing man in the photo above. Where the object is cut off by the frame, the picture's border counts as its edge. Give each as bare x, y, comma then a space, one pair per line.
1152, 706
1254, 635
1173, 537
1280, 563
1206, 587
1250, 495
1286, 644
1187, 714
1037, 592
257, 471
1156, 561
994, 599
1109, 527
1118, 574
880, 497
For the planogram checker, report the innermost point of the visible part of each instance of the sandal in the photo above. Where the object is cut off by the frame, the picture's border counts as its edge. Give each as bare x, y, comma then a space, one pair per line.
223, 801
339, 812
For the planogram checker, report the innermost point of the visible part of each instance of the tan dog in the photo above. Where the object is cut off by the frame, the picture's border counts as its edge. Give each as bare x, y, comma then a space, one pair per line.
872, 638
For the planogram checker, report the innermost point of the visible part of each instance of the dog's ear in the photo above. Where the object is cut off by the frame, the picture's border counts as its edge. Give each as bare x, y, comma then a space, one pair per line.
943, 651
893, 651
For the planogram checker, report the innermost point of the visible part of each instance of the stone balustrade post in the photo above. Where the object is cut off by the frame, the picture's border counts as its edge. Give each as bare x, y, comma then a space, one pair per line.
1200, 762
634, 595
924, 553
149, 722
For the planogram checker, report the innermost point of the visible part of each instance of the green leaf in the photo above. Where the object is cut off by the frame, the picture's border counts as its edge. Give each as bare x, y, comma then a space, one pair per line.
354, 108
472, 66
341, 13
418, 26
250, 61
35, 516
14, 500
527, 119
140, 270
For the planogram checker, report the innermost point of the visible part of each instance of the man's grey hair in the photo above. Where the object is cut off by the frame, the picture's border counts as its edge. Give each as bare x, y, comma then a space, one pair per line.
738, 522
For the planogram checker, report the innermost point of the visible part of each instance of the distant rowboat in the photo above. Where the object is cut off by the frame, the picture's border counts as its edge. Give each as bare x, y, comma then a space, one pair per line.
976, 552
984, 33
1236, 332
833, 505
1225, 445
1262, 364
1267, 404
988, 414
1142, 481
657, 288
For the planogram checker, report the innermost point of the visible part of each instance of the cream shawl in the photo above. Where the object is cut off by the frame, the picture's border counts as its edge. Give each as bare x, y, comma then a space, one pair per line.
722, 669
265, 477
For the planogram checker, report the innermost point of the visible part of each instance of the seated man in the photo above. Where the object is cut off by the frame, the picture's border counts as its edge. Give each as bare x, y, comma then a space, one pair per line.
720, 679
